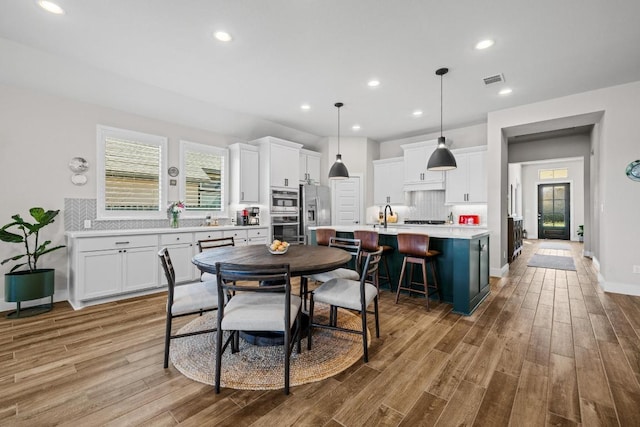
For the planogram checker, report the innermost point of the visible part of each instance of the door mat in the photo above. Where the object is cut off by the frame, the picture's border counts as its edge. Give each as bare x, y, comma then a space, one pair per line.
554, 245
552, 261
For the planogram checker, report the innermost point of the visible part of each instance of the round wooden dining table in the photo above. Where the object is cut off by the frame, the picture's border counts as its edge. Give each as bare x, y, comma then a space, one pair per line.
302, 259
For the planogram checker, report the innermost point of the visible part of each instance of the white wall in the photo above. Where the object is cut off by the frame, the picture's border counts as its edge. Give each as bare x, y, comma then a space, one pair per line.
358, 154
530, 183
464, 137
39, 134
614, 196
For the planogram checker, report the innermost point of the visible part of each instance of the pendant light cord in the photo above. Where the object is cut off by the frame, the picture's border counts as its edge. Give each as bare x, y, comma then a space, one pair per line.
441, 105
338, 105
338, 130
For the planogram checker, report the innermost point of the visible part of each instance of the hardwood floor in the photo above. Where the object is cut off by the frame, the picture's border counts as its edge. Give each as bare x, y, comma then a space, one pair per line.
547, 347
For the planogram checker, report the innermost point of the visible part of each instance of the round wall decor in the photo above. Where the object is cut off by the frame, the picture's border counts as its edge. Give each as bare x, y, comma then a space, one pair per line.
633, 170
78, 164
79, 179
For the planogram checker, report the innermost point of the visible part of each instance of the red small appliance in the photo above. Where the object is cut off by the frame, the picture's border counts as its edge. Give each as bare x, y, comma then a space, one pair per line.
469, 219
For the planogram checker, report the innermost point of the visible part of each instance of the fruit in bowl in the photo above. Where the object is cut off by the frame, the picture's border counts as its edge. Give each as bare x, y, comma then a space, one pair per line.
278, 247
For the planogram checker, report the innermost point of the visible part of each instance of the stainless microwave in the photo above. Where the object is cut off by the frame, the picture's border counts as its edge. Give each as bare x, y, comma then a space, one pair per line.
284, 201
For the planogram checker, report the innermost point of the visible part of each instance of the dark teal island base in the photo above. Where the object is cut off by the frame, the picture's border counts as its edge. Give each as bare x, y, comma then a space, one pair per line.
463, 268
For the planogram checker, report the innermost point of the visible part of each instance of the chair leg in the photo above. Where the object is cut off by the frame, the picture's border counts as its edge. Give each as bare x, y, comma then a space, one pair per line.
435, 279
375, 313
364, 335
299, 331
423, 264
404, 265
387, 274
218, 357
287, 356
310, 327
304, 290
411, 268
167, 340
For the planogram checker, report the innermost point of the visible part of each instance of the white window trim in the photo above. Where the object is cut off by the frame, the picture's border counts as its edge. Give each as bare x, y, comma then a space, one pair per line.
194, 146
106, 131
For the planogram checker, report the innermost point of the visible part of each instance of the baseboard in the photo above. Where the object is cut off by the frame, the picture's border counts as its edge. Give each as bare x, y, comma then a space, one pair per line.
499, 272
620, 288
616, 288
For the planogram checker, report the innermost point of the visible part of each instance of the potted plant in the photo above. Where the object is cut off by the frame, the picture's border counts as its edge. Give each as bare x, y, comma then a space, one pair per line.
580, 233
26, 281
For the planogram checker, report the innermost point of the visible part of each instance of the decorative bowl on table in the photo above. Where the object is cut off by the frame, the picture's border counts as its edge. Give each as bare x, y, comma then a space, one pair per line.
278, 248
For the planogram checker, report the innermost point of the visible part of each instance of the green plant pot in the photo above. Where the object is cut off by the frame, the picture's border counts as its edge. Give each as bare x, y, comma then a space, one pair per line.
25, 286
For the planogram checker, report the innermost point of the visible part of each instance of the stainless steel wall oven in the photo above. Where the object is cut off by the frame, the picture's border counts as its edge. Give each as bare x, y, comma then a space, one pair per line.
285, 219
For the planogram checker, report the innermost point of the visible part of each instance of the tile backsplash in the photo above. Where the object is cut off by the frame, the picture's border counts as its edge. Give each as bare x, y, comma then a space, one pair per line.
76, 211
430, 205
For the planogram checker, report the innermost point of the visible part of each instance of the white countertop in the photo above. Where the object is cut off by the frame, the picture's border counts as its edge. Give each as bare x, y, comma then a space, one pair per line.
98, 233
445, 231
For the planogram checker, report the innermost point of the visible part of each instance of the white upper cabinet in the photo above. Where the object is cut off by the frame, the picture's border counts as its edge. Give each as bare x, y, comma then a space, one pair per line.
468, 183
388, 181
416, 175
245, 173
309, 166
281, 159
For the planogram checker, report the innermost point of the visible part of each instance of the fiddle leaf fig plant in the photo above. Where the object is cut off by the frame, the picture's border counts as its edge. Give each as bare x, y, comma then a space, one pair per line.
28, 234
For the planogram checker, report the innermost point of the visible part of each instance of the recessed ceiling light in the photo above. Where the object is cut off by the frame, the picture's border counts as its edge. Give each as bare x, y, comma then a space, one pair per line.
505, 91
51, 7
355, 127
373, 83
223, 36
305, 107
483, 44
417, 113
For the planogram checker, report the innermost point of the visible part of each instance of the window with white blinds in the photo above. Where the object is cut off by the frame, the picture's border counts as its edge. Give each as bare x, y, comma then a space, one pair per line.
204, 177
130, 179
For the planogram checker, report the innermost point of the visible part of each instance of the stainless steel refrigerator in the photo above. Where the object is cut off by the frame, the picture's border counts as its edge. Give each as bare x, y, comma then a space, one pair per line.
315, 208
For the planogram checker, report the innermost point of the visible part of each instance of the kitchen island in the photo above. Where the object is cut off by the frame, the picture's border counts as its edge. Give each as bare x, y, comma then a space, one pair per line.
463, 263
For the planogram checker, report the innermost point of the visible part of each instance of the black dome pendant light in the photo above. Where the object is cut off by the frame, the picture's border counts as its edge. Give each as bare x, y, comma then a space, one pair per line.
441, 159
338, 170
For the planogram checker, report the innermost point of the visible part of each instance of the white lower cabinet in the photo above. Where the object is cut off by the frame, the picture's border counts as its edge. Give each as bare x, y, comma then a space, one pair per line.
181, 251
107, 266
239, 236
257, 236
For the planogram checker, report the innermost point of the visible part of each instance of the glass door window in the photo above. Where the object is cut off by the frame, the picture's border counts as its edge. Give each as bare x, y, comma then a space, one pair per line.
553, 211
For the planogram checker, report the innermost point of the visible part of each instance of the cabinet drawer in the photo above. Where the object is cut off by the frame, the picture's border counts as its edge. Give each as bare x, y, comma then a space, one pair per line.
236, 234
259, 232
174, 238
205, 235
116, 242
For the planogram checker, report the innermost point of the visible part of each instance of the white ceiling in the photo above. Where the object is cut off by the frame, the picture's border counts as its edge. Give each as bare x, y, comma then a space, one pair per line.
158, 58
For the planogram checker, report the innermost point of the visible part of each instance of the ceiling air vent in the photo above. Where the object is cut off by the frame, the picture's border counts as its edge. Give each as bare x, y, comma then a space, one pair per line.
497, 78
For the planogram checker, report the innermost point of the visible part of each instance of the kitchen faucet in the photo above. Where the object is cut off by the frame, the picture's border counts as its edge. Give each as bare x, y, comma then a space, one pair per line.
385, 215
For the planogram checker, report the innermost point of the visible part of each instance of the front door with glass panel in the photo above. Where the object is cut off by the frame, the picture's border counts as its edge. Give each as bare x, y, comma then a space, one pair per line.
553, 211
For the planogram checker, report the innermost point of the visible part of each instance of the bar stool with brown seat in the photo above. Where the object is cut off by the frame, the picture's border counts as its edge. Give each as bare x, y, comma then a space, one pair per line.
323, 235
415, 248
368, 243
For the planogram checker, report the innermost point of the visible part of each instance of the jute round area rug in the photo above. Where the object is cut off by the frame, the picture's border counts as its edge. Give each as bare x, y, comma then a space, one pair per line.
262, 368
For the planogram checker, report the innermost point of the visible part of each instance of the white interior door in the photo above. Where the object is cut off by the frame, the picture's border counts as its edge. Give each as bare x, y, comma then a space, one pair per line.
347, 200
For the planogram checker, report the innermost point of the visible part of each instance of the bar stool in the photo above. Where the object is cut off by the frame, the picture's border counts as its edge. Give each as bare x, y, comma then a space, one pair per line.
370, 243
323, 235
415, 248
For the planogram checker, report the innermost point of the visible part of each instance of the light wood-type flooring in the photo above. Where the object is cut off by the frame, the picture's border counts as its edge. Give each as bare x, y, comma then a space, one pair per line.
547, 347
